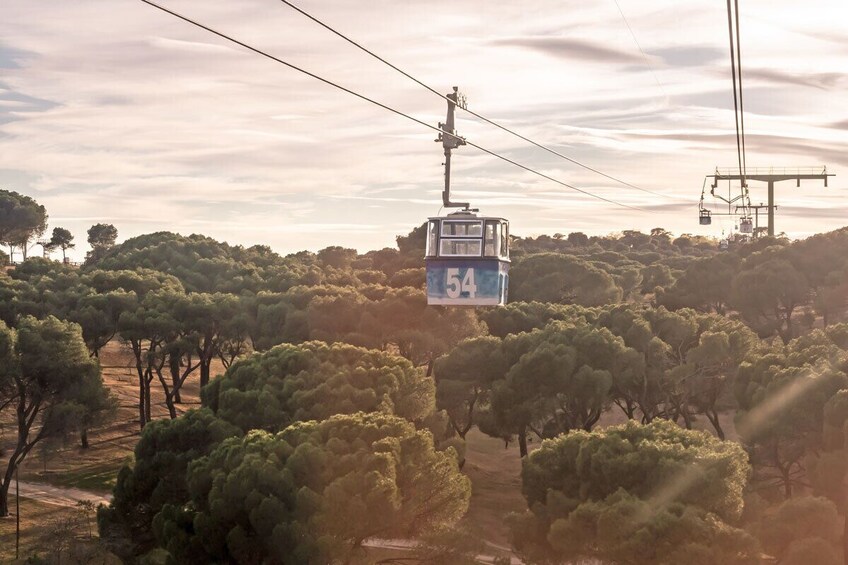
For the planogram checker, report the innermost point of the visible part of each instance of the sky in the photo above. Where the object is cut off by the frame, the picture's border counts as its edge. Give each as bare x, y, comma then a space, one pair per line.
116, 112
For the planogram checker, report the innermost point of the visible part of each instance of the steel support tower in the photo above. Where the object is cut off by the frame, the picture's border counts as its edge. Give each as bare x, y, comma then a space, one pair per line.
770, 175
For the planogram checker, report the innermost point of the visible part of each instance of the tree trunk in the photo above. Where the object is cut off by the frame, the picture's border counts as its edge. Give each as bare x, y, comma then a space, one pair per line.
4, 491
142, 415
627, 407
591, 419
787, 482
174, 364
522, 441
786, 319
170, 394
84, 438
687, 418
204, 371
712, 415
205, 353
15, 459
172, 410
136, 347
147, 414
470, 416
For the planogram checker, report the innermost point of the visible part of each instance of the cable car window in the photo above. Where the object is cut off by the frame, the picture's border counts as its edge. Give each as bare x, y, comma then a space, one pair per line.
432, 238
492, 239
505, 240
460, 247
462, 229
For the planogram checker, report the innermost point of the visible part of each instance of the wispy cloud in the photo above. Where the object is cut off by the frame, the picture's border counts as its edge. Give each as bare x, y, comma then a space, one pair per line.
13, 58
823, 81
690, 55
842, 124
571, 49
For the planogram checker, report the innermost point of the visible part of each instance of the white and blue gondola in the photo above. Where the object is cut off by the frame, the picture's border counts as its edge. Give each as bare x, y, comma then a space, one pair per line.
467, 260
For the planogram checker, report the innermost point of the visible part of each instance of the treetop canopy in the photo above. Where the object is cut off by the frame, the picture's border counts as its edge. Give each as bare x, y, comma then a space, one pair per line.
315, 380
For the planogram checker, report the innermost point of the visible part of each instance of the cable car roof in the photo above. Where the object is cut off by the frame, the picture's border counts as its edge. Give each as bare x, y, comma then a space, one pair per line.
466, 215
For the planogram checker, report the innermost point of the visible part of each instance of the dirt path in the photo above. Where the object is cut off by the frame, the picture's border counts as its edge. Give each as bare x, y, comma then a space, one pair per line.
57, 496
408, 545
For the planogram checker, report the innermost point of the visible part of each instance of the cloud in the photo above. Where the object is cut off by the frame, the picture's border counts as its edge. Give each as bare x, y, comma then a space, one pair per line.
823, 81
689, 56
15, 105
842, 124
191, 46
568, 48
835, 213
675, 207
807, 150
12, 58
819, 34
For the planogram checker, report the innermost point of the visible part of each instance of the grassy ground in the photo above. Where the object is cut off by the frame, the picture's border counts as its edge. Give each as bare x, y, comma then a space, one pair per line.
50, 531
110, 446
94, 469
495, 473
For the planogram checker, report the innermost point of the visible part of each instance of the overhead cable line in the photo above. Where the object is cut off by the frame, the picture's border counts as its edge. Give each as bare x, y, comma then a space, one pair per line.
636, 41
473, 113
733, 76
738, 115
380, 104
741, 106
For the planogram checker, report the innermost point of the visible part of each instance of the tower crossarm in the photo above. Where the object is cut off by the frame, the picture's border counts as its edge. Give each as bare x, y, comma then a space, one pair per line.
773, 174
771, 177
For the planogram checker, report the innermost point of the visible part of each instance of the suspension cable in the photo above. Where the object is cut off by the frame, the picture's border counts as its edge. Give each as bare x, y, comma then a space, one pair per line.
380, 104
472, 112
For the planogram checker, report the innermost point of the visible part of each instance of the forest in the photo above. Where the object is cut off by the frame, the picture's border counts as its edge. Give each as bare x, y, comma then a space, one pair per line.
670, 402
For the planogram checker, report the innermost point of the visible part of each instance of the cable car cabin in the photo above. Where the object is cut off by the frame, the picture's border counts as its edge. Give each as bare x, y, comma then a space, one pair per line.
704, 217
467, 260
746, 225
